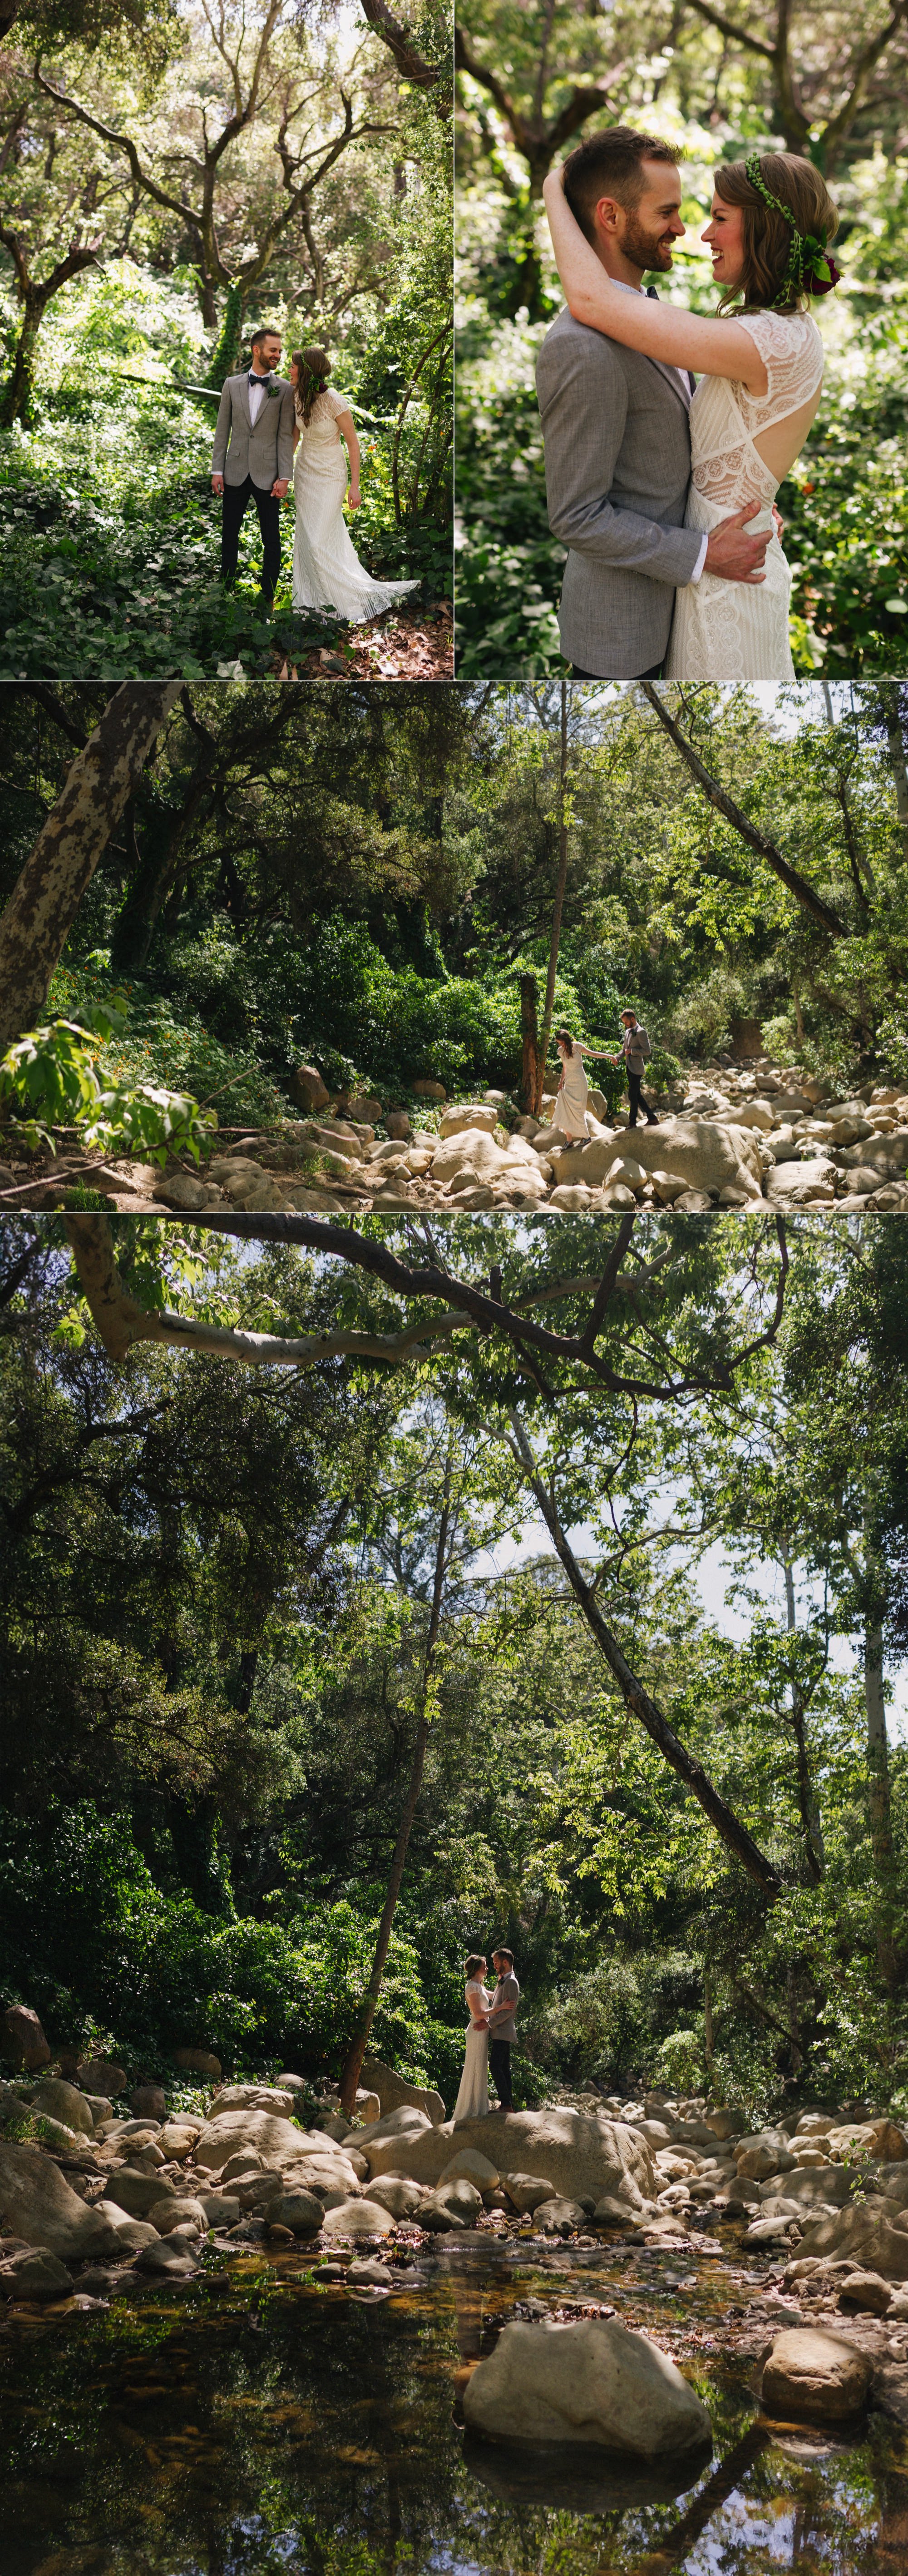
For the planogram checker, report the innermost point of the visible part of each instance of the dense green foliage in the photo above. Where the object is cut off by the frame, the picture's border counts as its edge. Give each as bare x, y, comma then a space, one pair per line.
363, 876
215, 1594
528, 95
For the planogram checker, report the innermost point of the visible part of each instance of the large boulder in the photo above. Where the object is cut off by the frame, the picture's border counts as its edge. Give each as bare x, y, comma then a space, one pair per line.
251, 2097
560, 2217
526, 2192
198, 2061
591, 2383
275, 2138
307, 1089
358, 2219
469, 2166
34, 2274
395, 2094
704, 1153
58, 2101
580, 2155
868, 2239
811, 1184
36, 2203
469, 1157
25, 2041
138, 2193
401, 2197
463, 1116
100, 2075
149, 2101
301, 2211
815, 2375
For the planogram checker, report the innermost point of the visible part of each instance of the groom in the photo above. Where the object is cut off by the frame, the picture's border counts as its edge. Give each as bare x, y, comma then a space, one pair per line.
617, 441
253, 456
503, 2026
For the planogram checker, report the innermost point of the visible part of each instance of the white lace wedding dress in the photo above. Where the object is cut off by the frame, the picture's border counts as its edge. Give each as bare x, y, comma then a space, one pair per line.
730, 630
473, 2098
569, 1113
327, 572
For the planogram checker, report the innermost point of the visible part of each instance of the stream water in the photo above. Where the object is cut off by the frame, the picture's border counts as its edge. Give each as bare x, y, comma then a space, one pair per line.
262, 2421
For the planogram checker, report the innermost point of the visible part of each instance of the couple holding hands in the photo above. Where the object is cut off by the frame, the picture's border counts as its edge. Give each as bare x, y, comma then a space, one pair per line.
271, 428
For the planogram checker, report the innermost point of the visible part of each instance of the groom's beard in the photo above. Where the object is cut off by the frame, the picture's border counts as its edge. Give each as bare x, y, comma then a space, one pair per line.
647, 250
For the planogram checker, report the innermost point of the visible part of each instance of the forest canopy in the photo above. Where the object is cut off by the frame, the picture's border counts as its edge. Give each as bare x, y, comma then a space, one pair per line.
363, 877
218, 1588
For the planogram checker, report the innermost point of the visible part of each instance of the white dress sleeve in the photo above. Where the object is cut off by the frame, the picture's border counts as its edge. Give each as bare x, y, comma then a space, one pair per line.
335, 402
792, 353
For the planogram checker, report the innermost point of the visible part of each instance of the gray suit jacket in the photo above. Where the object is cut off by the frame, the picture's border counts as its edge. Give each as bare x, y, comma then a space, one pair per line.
617, 470
264, 450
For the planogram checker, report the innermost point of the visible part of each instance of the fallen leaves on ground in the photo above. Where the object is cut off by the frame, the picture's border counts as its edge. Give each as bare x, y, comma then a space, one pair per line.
408, 644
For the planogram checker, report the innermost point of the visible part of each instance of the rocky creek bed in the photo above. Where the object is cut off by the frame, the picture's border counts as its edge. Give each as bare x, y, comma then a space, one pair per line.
726, 1138
598, 2335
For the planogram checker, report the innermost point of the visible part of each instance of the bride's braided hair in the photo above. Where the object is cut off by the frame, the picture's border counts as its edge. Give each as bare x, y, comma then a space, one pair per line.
787, 219
313, 367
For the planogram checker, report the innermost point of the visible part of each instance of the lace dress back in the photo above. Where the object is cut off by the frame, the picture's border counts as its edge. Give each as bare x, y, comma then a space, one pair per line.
728, 630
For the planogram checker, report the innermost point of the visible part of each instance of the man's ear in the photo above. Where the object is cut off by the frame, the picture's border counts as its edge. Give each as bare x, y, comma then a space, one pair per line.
608, 214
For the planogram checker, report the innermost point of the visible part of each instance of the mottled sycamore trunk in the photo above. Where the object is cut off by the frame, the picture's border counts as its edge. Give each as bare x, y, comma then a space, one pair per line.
41, 910
555, 942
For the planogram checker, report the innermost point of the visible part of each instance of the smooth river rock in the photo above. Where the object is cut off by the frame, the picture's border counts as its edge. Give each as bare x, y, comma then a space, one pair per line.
37, 2204
396, 2094
815, 2375
58, 2101
580, 2155
587, 2383
358, 2219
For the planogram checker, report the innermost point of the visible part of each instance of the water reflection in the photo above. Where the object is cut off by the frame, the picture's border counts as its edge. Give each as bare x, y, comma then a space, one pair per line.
262, 2425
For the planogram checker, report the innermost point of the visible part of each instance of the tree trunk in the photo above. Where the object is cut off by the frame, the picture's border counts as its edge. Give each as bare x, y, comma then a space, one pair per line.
529, 1031
366, 2013
808, 1808
898, 760
16, 401
709, 2033
724, 804
543, 1047
42, 908
878, 1798
734, 1835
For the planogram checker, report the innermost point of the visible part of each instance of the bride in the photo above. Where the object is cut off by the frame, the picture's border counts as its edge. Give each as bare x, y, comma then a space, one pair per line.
327, 572
473, 2098
761, 364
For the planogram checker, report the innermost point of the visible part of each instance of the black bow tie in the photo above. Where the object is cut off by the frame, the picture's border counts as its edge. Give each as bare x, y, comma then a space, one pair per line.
262, 380
654, 292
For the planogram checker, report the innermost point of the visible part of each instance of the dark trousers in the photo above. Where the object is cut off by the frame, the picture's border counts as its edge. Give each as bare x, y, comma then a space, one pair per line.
500, 2069
237, 497
635, 1096
610, 675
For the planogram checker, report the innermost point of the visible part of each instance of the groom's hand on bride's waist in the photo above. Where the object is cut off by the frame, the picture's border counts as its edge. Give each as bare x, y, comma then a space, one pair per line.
732, 554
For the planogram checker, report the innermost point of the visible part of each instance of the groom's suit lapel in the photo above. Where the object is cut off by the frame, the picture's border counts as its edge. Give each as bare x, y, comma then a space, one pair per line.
673, 379
684, 393
244, 399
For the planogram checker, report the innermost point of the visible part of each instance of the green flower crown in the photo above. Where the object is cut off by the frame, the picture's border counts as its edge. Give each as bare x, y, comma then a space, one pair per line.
810, 270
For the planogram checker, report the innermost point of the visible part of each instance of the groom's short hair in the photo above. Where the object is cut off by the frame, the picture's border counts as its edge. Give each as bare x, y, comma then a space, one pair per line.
504, 1954
610, 164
